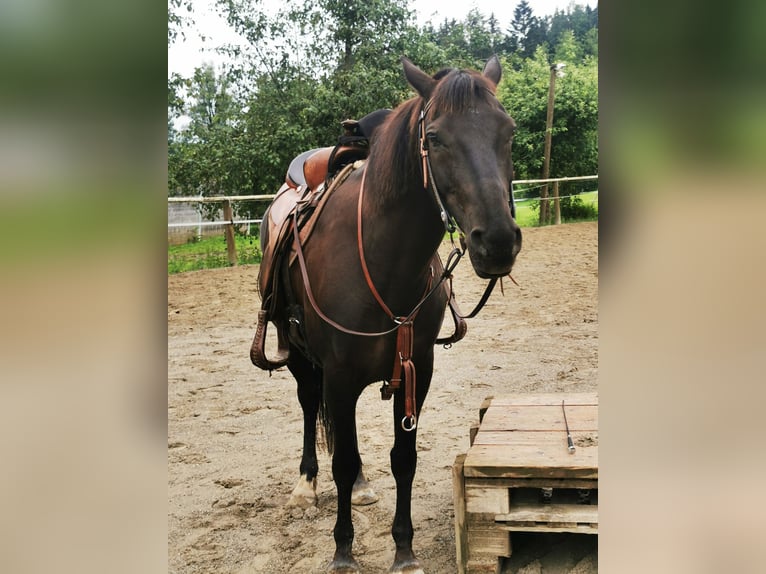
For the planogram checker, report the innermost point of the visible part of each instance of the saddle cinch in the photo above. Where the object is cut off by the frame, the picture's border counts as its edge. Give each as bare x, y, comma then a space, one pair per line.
311, 177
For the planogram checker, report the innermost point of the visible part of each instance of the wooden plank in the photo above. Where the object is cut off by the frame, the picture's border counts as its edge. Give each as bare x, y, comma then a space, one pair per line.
543, 439
557, 513
526, 461
540, 417
485, 564
488, 540
458, 498
575, 528
583, 484
484, 406
547, 399
490, 500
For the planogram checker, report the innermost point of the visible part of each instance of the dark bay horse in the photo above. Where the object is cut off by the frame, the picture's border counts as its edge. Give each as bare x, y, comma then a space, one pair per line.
366, 301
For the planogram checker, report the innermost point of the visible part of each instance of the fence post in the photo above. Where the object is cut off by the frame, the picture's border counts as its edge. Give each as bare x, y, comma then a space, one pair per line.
556, 206
231, 248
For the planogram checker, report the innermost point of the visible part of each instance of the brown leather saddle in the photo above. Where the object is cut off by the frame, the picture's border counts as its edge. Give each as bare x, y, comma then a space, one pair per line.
310, 179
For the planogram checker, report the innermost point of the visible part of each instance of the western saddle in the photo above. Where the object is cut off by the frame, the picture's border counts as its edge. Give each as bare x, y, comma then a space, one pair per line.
310, 179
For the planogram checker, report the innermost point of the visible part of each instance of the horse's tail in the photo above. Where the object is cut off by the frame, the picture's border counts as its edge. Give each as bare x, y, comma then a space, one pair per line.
326, 436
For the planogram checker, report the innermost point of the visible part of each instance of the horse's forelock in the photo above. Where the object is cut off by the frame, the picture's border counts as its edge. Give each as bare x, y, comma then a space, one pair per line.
396, 144
459, 91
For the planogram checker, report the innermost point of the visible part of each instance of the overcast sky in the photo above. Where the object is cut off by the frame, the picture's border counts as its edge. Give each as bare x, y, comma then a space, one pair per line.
186, 54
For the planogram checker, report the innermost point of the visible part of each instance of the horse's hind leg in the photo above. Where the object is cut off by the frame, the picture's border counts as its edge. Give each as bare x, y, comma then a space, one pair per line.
309, 380
362, 494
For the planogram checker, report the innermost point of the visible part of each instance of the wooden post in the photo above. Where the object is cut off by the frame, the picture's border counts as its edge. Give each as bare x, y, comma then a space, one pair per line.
556, 205
458, 500
231, 248
544, 218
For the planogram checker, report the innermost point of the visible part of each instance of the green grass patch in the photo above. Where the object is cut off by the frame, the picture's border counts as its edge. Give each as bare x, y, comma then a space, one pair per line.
210, 252
528, 212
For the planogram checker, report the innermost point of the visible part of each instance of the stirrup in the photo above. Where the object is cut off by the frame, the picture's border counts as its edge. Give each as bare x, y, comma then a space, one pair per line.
461, 326
258, 348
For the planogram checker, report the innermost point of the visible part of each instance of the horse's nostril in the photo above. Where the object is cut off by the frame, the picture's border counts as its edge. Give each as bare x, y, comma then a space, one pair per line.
517, 242
477, 241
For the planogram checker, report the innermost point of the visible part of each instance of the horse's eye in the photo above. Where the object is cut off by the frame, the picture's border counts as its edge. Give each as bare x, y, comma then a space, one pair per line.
433, 138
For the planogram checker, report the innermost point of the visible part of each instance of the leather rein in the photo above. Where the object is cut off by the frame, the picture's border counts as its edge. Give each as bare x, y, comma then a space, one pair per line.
404, 368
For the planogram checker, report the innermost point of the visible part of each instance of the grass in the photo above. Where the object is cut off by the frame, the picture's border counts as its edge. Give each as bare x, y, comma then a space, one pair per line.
210, 252
526, 216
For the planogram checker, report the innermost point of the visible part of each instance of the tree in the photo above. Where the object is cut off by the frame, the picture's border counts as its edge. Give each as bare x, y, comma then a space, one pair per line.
527, 31
318, 62
567, 49
205, 157
574, 143
177, 21
581, 22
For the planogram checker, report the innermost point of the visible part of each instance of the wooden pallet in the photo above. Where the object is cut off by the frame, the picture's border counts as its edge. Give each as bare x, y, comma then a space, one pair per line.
519, 475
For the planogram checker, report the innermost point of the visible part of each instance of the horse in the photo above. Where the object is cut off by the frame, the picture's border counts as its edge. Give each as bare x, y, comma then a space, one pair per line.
365, 297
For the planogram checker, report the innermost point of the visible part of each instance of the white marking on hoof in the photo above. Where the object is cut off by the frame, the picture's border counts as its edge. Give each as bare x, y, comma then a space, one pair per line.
409, 566
343, 566
363, 496
304, 494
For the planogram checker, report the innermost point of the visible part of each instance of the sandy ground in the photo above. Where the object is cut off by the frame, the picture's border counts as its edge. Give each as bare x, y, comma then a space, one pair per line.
234, 432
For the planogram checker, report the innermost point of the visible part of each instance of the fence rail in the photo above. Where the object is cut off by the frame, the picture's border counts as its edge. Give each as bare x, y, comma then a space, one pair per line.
230, 222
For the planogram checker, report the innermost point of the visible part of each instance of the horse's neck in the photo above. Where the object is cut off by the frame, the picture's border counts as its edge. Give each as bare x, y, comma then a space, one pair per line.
404, 228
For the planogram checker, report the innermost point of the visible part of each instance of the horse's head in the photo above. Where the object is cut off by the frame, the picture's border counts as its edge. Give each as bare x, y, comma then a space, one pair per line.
467, 135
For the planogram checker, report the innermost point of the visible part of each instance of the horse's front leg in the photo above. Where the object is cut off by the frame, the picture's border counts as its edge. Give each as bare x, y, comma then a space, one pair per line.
341, 407
404, 459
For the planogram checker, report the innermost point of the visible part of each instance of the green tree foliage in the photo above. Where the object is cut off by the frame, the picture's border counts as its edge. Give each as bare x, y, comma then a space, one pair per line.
527, 31
574, 140
581, 22
204, 157
316, 62
178, 16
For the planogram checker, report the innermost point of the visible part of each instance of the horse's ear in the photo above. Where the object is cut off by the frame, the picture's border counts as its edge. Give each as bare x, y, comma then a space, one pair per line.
492, 70
418, 79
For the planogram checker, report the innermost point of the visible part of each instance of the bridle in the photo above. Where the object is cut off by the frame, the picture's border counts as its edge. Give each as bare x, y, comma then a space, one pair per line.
403, 368
428, 175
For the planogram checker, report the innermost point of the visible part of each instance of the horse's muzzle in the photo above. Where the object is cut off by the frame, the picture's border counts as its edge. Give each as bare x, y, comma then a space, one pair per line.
493, 253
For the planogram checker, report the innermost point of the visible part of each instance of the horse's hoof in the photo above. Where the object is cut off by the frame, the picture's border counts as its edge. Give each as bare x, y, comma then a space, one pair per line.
304, 495
408, 567
406, 563
363, 496
343, 566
